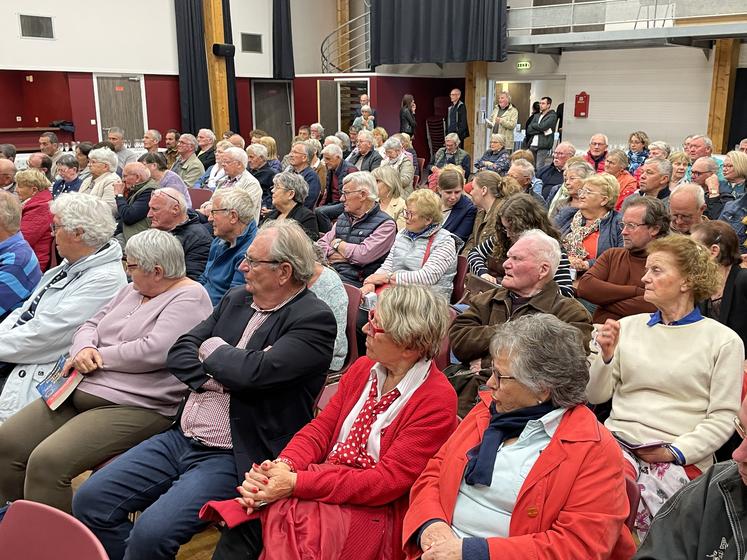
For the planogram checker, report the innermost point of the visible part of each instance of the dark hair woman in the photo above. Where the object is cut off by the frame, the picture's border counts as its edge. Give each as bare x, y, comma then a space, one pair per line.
407, 115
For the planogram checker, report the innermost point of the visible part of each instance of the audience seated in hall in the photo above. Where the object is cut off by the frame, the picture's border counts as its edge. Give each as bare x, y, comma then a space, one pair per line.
35, 335
264, 337
127, 394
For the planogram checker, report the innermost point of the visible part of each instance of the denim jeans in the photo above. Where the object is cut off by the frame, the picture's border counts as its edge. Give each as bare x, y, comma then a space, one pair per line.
168, 477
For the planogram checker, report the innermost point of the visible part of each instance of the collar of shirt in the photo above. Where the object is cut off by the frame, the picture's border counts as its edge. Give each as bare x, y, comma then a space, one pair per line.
693, 317
548, 423
278, 306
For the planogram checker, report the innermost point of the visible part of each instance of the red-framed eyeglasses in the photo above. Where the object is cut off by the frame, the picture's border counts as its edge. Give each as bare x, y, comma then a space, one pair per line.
372, 327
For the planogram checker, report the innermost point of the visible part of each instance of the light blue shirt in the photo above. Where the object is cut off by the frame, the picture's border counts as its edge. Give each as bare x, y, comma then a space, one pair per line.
485, 511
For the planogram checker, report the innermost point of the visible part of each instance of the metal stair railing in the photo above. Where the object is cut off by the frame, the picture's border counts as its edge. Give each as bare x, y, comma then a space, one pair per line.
348, 47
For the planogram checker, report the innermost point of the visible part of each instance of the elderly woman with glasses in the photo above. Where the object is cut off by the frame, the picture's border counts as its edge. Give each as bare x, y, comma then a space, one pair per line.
674, 376
289, 191
496, 158
529, 473
126, 394
347, 474
34, 336
594, 226
102, 163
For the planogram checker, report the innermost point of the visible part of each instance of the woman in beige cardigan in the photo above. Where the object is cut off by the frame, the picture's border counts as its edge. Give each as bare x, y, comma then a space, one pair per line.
103, 165
390, 193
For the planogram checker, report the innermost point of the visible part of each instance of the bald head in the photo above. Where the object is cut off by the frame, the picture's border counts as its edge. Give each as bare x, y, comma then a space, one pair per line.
686, 207
7, 172
135, 173
167, 209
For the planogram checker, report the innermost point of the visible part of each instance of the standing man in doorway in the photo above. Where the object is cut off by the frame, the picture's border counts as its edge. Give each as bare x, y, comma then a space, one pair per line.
542, 127
456, 119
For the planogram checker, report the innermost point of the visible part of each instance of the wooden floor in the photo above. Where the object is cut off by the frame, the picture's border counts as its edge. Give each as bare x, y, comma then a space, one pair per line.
199, 548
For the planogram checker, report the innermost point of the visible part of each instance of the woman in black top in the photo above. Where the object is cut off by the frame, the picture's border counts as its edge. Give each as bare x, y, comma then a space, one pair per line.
407, 121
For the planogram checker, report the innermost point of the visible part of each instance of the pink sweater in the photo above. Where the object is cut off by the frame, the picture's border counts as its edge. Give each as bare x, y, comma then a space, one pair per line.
134, 339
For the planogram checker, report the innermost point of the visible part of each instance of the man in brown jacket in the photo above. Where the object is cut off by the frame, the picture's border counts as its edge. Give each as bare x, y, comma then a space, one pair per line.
614, 284
527, 287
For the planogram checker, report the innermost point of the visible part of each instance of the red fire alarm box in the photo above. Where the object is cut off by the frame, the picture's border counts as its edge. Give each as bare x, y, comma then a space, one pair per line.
581, 107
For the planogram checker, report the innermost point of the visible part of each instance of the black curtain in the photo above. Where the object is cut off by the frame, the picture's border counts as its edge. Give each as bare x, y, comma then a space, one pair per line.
418, 31
282, 41
233, 104
194, 90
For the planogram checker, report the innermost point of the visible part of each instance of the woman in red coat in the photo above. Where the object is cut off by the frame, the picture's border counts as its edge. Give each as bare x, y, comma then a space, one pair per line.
33, 190
339, 488
529, 473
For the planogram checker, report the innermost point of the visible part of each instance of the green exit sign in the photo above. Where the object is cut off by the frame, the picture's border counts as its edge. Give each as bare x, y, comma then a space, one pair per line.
523, 65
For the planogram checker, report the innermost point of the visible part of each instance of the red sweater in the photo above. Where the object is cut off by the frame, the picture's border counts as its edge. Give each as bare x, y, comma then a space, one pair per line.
36, 226
572, 504
614, 285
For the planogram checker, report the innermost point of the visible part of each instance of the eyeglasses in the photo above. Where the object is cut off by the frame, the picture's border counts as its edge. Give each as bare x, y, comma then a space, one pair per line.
131, 266
683, 217
278, 188
160, 192
597, 144
54, 227
409, 214
372, 327
629, 225
494, 372
216, 210
698, 173
348, 193
252, 263
739, 428
587, 192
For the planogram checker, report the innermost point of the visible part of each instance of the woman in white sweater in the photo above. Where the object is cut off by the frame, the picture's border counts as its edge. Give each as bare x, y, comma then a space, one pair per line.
674, 377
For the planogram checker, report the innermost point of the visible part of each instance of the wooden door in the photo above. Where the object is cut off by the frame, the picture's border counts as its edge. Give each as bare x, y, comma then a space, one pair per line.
120, 104
272, 111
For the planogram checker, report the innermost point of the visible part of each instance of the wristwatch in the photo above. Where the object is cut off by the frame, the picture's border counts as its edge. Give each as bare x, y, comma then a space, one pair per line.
336, 244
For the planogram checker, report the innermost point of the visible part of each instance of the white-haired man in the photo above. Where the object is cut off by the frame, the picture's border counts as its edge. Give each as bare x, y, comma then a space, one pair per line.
124, 155
358, 243
551, 174
132, 196
704, 172
187, 165
151, 139
237, 176
597, 154
687, 206
701, 146
206, 144
316, 131
301, 155
262, 172
503, 119
451, 153
655, 177
743, 145
364, 157
523, 171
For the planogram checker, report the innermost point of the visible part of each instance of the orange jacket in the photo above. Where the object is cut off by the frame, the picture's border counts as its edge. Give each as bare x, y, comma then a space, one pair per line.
572, 504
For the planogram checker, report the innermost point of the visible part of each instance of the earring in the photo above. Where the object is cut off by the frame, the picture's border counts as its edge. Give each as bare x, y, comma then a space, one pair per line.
539, 401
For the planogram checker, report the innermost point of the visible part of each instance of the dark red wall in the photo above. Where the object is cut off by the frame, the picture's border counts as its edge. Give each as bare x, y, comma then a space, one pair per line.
83, 105
45, 98
244, 101
162, 101
306, 100
11, 99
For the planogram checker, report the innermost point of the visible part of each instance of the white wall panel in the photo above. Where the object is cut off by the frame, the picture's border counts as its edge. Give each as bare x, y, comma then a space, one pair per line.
253, 16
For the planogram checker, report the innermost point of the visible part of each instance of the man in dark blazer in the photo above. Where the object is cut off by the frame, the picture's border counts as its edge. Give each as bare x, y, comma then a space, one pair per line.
456, 118
254, 369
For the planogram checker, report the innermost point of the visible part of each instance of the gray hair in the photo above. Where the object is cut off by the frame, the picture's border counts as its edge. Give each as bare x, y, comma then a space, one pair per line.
708, 161
155, 134
571, 147
258, 150
86, 212
238, 200
453, 136
365, 134
332, 140
527, 169
68, 160
393, 144
117, 130
291, 245
189, 138
317, 127
236, 154
105, 155
142, 172
292, 182
582, 168
606, 140
415, 318
495, 137
706, 140
316, 145
663, 166
308, 149
508, 95
332, 150
656, 213
51, 136
366, 108
661, 145
344, 138
174, 197
153, 247
209, 133
692, 189
363, 180
10, 212
546, 248
546, 354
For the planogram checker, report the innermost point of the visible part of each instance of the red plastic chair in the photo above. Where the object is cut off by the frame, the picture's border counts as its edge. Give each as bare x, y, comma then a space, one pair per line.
461, 274
634, 497
199, 196
32, 531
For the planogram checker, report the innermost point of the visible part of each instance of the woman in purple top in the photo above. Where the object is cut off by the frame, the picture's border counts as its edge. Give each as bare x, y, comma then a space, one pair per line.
156, 162
126, 395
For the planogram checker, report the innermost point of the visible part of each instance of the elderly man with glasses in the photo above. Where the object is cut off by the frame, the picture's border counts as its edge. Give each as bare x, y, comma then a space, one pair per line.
704, 172
360, 240
551, 175
253, 370
187, 166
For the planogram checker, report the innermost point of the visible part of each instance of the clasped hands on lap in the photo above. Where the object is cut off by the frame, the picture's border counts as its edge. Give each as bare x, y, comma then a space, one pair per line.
264, 484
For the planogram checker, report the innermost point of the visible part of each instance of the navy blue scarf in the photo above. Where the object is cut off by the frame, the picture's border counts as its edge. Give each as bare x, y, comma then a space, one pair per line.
503, 426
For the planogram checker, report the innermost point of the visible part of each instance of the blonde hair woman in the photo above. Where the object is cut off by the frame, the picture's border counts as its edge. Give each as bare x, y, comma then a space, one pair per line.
390, 193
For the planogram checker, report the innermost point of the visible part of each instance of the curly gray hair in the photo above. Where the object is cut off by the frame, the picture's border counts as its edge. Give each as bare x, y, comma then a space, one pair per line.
85, 212
546, 354
153, 247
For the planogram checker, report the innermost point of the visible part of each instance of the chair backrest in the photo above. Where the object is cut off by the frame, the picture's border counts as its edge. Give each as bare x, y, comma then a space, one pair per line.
34, 531
634, 498
354, 302
461, 274
53, 254
444, 356
327, 393
199, 196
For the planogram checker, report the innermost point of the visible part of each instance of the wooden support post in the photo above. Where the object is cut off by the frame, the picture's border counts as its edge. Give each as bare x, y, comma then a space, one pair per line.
725, 58
475, 88
343, 35
212, 11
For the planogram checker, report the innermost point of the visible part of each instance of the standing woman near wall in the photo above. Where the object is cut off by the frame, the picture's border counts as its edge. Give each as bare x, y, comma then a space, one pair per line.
407, 121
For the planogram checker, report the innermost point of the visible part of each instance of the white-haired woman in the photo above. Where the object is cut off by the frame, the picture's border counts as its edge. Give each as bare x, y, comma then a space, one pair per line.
127, 394
496, 158
347, 474
215, 173
103, 165
396, 158
35, 335
366, 120
288, 194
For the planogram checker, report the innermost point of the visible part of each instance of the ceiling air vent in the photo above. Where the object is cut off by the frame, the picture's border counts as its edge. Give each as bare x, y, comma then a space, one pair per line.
251, 43
36, 27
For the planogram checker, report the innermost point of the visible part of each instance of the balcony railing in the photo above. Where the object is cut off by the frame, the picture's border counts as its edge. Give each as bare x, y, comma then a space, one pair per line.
621, 15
